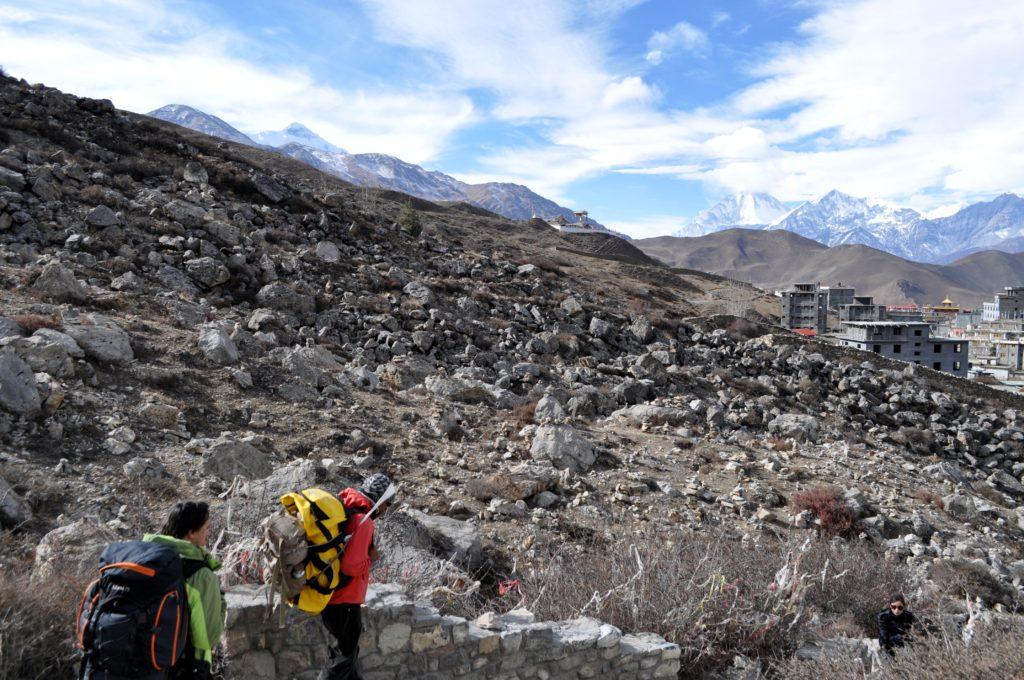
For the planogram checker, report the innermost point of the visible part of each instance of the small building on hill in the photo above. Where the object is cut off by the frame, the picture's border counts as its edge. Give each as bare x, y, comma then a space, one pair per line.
805, 306
908, 341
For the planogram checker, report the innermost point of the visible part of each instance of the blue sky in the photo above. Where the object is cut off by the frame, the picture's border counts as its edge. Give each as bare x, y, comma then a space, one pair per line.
644, 112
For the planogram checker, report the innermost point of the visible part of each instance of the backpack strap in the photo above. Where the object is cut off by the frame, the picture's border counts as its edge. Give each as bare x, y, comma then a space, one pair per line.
190, 567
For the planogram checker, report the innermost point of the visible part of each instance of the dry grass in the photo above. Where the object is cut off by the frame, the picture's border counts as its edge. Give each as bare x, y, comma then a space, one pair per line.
522, 415
931, 498
35, 625
827, 505
712, 594
995, 652
959, 578
33, 322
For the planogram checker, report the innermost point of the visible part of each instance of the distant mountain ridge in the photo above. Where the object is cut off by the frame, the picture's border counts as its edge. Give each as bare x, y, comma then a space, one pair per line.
775, 259
514, 201
837, 218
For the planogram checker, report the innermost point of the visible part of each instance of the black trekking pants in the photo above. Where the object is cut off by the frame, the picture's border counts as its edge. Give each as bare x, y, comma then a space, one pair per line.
345, 623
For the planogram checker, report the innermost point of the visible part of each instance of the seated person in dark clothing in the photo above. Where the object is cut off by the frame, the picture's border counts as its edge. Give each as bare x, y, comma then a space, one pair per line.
895, 624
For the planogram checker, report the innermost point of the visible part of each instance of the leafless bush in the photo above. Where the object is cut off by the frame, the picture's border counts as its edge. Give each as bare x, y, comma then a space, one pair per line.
995, 652
713, 595
828, 506
958, 578
35, 642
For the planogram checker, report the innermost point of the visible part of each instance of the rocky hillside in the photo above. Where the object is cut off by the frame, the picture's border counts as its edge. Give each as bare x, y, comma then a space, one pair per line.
187, 317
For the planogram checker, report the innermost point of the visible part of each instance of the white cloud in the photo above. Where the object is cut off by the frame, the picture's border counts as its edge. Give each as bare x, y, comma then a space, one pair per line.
630, 90
719, 18
683, 37
648, 227
142, 55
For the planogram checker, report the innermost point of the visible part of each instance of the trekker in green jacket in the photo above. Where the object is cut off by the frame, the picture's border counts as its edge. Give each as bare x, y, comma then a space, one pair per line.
186, 531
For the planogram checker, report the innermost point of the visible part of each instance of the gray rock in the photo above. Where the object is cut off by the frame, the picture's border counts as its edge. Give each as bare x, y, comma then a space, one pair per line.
640, 414
126, 281
327, 252
571, 306
160, 415
101, 339
101, 216
196, 173
279, 296
188, 214
600, 328
962, 507
419, 292
455, 539
18, 394
548, 409
296, 475
564, 447
800, 427
207, 272
62, 339
70, 551
14, 511
271, 190
217, 346
227, 458
57, 282
14, 181
9, 328
42, 356
175, 279
315, 365
223, 233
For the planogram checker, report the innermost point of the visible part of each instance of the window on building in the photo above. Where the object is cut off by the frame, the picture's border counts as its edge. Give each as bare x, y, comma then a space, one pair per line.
877, 349
918, 363
897, 348
937, 365
956, 365
917, 332
897, 330
938, 349
917, 353
956, 348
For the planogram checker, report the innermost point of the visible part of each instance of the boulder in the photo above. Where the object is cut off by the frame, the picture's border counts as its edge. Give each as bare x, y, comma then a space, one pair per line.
800, 427
11, 179
71, 551
961, 506
314, 365
650, 414
18, 394
223, 233
14, 511
217, 346
548, 409
327, 252
102, 217
419, 292
226, 458
599, 328
566, 448
195, 172
571, 306
62, 339
279, 296
454, 539
185, 213
57, 282
207, 272
9, 328
101, 339
296, 475
160, 415
42, 356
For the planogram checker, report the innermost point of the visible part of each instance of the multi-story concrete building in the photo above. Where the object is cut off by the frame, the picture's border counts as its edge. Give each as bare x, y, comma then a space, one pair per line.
862, 308
910, 342
1007, 305
804, 306
838, 295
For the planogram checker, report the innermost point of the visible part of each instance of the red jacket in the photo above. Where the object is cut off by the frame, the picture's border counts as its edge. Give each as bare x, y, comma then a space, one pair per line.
355, 563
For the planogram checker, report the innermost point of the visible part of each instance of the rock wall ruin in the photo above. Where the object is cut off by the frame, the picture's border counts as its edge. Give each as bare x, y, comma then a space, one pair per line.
408, 641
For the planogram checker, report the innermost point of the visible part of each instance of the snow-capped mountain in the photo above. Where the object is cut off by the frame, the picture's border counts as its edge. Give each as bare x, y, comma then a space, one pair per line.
514, 201
738, 210
194, 119
992, 225
837, 218
298, 133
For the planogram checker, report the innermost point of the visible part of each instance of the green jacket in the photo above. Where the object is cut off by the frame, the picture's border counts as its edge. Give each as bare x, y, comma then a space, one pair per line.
207, 607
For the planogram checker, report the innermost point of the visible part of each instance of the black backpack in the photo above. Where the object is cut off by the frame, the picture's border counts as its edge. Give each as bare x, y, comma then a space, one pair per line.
133, 619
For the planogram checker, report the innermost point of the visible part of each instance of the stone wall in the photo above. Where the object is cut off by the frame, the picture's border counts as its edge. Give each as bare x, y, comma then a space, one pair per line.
404, 641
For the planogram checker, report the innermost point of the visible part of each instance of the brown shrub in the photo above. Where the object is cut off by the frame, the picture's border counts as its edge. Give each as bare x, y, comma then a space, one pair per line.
751, 387
990, 494
742, 329
827, 505
931, 498
778, 443
36, 625
523, 414
33, 322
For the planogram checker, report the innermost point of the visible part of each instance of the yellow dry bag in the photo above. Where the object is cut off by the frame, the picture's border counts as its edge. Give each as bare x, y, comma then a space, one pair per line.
323, 516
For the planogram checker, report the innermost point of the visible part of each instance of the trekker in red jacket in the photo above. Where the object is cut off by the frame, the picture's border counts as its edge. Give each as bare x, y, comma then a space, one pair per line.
342, 616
